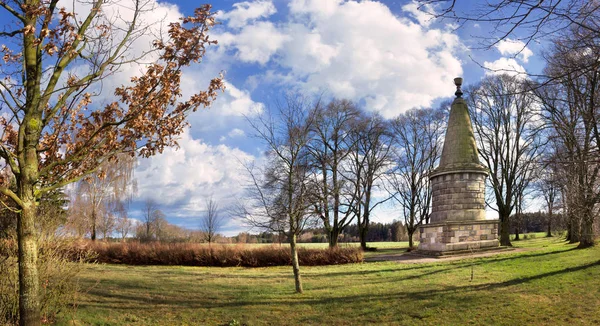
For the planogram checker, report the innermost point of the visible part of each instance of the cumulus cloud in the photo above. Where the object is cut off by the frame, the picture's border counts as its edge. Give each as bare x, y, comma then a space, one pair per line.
244, 12
516, 48
355, 50
180, 179
255, 43
507, 66
236, 102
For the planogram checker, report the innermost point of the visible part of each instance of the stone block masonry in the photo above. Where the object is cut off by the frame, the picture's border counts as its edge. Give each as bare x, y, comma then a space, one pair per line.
458, 235
458, 196
458, 191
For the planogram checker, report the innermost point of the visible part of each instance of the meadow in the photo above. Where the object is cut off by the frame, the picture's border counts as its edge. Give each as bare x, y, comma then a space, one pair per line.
545, 282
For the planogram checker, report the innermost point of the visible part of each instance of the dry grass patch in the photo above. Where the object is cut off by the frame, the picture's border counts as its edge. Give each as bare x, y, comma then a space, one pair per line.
186, 254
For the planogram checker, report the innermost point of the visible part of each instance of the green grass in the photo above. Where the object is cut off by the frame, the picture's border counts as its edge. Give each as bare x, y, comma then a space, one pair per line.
526, 236
549, 284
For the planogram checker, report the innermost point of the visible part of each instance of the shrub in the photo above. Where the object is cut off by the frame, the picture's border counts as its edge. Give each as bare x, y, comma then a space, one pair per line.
56, 269
221, 256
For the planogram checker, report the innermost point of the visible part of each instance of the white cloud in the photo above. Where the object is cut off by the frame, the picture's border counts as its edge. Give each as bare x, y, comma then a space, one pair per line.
236, 132
319, 8
508, 66
236, 102
180, 179
516, 48
356, 50
231, 106
247, 11
423, 17
362, 51
255, 43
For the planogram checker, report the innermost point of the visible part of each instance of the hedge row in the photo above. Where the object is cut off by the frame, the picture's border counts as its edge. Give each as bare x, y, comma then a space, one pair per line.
217, 255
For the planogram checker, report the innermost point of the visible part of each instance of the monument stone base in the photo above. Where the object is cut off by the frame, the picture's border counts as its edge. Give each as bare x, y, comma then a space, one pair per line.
449, 236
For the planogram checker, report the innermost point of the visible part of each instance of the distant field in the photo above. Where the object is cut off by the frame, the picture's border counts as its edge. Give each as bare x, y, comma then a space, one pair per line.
379, 245
387, 247
548, 284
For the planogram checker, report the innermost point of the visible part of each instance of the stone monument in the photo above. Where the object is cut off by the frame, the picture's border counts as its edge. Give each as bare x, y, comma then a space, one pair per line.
457, 220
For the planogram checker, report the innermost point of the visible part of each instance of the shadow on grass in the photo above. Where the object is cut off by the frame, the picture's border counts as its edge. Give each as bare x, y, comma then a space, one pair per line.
132, 296
467, 261
120, 300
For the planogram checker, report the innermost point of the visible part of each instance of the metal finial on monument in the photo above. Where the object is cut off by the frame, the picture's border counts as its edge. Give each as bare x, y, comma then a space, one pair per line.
458, 82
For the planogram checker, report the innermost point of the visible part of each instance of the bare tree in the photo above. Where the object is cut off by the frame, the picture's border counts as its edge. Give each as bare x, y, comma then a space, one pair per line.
528, 20
151, 212
369, 160
78, 219
124, 224
548, 184
330, 148
571, 109
417, 148
507, 131
212, 221
110, 185
160, 228
280, 197
107, 224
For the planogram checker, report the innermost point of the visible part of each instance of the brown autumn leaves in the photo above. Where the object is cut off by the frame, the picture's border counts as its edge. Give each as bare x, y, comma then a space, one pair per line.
147, 117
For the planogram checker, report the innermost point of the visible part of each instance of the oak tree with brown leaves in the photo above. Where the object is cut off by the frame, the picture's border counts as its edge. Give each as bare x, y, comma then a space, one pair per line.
52, 133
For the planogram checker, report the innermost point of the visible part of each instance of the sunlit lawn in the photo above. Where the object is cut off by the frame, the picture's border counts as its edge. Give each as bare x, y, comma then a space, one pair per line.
553, 284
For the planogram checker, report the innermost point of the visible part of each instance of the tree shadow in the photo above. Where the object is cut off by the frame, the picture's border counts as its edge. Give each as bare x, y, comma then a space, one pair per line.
460, 296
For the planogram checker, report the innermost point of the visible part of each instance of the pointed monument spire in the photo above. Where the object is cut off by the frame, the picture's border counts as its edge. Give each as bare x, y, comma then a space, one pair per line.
460, 149
458, 221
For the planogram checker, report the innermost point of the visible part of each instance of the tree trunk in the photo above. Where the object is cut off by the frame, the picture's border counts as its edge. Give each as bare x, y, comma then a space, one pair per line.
568, 237
517, 238
29, 283
295, 263
574, 231
334, 235
505, 231
549, 231
586, 238
363, 236
93, 236
29, 301
410, 239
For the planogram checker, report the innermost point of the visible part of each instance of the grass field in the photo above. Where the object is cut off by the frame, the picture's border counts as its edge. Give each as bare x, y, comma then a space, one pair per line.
549, 284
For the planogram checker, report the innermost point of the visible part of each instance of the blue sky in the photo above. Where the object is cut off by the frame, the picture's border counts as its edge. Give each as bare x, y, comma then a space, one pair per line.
385, 55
